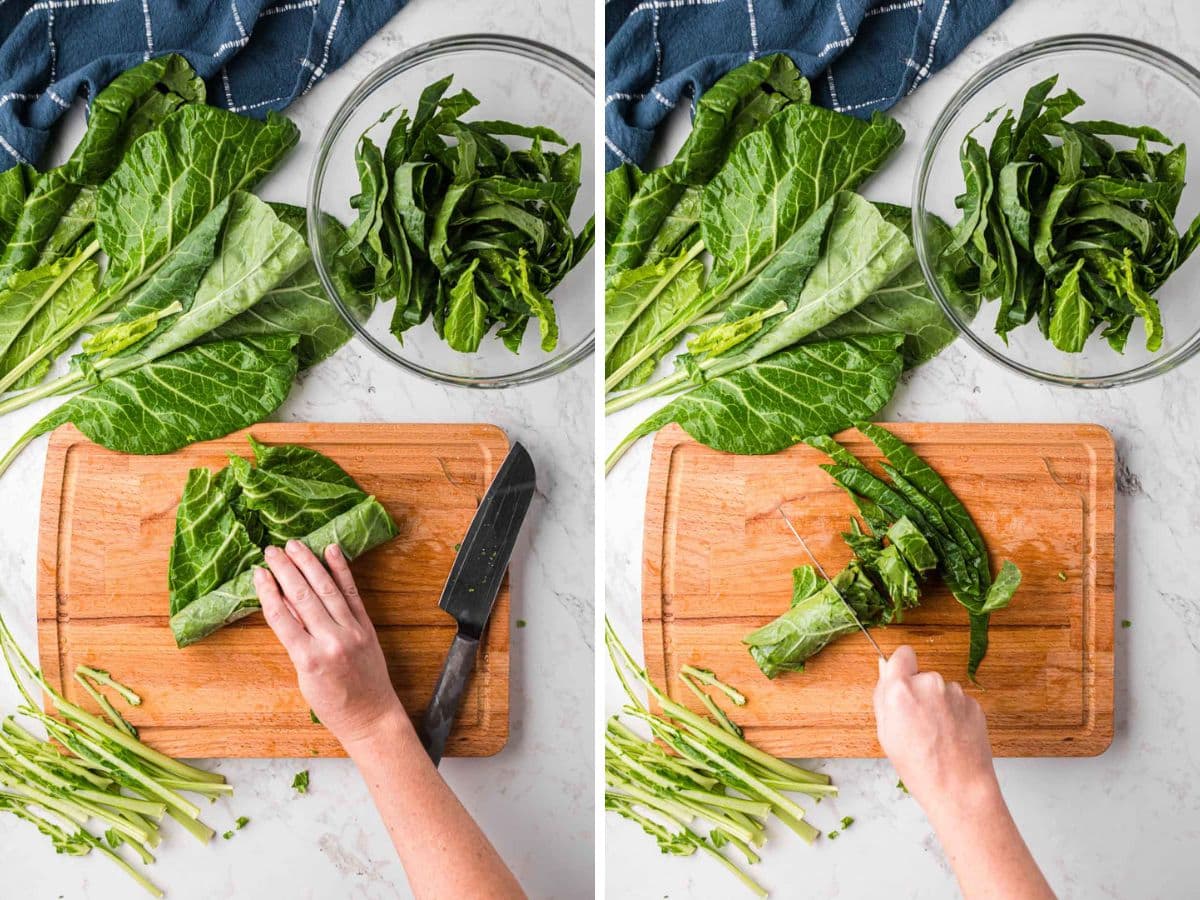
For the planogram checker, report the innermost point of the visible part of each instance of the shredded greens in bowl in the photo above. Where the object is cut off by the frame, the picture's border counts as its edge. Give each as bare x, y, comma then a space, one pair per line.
1070, 222
465, 222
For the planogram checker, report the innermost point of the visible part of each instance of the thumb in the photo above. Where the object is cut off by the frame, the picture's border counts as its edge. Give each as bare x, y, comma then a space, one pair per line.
901, 664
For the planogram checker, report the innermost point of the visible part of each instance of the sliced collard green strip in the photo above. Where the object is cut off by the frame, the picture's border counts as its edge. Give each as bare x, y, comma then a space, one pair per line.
913, 545
926, 480
806, 581
956, 570
1000, 592
899, 581
979, 642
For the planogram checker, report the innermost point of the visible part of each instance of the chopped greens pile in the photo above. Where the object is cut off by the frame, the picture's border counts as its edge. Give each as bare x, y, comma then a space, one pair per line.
225, 519
207, 303
911, 526
1063, 227
457, 227
90, 770
814, 301
695, 769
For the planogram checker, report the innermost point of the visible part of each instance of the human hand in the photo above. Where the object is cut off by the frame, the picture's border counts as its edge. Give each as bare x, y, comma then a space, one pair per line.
319, 617
935, 735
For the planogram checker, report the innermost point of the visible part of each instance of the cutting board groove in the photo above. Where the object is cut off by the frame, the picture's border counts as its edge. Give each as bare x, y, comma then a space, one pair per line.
718, 561
107, 522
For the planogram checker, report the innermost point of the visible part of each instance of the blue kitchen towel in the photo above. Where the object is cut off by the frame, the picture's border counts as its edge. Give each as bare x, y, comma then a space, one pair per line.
862, 55
255, 55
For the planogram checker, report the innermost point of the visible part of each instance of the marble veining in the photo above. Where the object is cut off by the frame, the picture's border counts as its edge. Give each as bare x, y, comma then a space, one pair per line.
535, 798
1121, 825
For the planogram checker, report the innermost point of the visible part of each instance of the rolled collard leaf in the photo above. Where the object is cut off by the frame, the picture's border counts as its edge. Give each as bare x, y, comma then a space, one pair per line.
356, 531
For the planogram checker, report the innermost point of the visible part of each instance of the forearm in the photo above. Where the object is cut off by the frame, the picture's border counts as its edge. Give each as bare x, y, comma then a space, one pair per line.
986, 851
443, 851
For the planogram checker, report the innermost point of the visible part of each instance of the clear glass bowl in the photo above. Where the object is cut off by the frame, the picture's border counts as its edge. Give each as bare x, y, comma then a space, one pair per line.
514, 79
1122, 80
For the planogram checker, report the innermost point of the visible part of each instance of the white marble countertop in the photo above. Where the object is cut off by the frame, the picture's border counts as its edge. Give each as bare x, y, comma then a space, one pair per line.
534, 799
1122, 825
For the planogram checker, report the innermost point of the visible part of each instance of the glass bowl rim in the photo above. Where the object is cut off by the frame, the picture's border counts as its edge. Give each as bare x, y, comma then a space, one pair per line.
1168, 63
555, 59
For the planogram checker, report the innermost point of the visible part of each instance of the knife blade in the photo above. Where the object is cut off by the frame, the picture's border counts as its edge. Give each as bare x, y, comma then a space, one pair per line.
472, 586
840, 595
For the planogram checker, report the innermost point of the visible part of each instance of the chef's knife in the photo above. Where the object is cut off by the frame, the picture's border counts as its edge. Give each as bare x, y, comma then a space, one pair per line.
473, 585
840, 595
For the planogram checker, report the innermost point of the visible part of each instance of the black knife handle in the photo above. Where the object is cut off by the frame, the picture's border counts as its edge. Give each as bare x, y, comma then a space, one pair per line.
443, 706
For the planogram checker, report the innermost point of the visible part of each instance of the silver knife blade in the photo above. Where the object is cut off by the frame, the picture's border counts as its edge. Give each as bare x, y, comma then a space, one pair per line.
821, 570
478, 570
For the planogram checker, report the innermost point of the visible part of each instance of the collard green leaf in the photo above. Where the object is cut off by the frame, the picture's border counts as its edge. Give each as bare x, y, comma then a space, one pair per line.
775, 402
359, 529
210, 544
631, 292
289, 507
659, 296
50, 196
14, 188
620, 186
54, 317
665, 201
780, 174
195, 394
812, 623
133, 103
905, 305
27, 293
173, 176
299, 305
853, 251
75, 230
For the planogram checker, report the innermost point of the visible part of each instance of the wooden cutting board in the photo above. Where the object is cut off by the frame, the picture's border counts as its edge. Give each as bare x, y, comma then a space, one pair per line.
107, 523
718, 563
